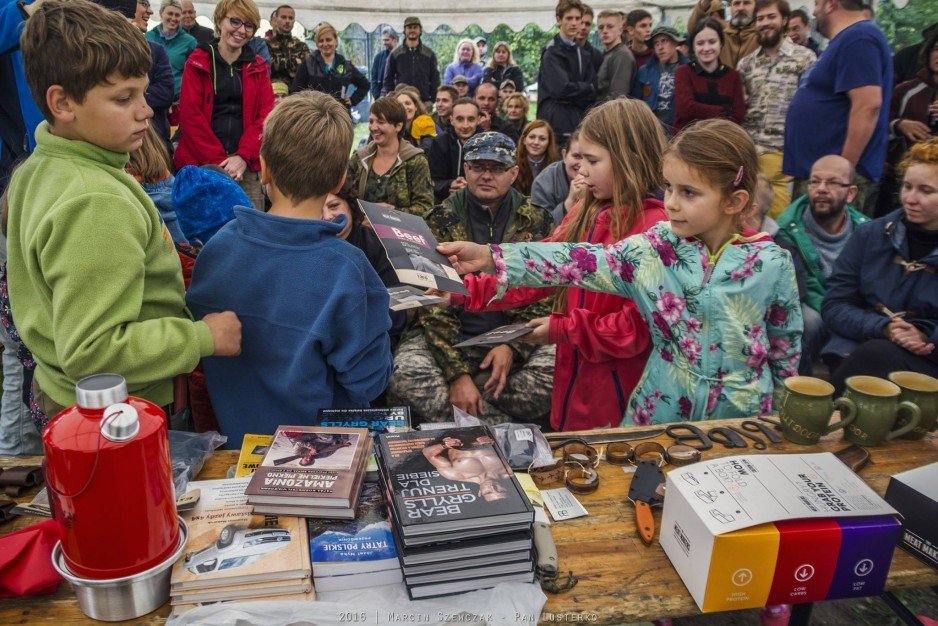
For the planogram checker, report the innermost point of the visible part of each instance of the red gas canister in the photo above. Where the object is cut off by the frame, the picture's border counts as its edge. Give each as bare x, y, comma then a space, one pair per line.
110, 481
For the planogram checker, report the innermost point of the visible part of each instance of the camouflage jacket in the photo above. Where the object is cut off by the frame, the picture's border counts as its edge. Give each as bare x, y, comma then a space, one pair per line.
286, 54
769, 88
450, 222
406, 186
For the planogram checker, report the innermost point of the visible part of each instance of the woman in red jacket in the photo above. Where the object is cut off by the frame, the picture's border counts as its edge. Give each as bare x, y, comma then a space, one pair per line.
225, 96
602, 340
705, 87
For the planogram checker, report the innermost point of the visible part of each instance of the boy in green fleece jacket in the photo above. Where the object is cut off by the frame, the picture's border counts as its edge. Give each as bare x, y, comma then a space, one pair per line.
95, 283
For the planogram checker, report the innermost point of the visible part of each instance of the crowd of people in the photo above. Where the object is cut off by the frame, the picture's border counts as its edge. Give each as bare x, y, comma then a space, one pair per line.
688, 219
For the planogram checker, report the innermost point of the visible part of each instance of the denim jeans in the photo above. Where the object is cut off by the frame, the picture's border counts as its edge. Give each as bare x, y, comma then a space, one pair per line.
812, 340
18, 434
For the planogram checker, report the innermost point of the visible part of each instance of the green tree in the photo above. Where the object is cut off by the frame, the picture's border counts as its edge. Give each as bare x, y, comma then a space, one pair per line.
903, 27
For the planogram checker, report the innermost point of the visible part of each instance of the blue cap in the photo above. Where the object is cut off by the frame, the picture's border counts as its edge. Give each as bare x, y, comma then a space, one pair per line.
490, 146
204, 201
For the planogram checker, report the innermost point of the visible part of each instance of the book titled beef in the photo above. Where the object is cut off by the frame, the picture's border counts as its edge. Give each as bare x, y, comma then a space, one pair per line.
411, 249
451, 480
312, 466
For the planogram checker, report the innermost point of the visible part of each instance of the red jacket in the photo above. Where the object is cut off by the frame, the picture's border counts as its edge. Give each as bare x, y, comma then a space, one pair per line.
602, 340
198, 145
701, 96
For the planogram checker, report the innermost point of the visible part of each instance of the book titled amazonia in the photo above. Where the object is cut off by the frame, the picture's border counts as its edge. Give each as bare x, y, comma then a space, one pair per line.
449, 480
312, 466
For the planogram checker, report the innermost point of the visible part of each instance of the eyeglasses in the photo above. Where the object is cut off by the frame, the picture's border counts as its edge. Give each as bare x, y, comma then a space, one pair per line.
480, 168
831, 184
237, 22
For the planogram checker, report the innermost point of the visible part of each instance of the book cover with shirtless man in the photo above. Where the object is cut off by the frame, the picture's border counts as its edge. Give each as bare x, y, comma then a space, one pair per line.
450, 483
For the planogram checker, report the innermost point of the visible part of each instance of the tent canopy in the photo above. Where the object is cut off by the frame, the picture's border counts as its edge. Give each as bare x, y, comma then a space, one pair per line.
456, 14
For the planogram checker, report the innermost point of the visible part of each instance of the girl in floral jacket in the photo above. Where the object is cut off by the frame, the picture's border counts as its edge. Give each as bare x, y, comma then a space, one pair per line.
722, 305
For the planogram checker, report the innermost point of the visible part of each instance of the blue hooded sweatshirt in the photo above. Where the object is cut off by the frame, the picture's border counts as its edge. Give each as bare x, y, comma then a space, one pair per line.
314, 318
11, 27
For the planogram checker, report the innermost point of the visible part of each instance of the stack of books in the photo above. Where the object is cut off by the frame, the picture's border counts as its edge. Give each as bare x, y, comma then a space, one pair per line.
234, 555
311, 471
459, 517
355, 554
392, 419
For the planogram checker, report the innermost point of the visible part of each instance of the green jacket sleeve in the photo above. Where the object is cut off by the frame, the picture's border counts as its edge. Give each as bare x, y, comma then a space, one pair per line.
420, 185
94, 261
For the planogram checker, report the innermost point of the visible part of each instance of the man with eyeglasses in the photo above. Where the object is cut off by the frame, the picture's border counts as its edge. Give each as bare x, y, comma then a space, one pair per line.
815, 229
505, 383
202, 34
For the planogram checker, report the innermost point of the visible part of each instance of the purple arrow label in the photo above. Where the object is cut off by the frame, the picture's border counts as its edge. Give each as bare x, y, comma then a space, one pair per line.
866, 549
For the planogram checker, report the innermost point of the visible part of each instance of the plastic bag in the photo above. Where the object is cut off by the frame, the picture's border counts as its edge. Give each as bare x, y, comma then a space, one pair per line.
524, 445
507, 604
188, 452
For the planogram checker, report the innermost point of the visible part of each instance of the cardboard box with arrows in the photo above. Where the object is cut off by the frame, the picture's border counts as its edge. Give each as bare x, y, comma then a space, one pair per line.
750, 531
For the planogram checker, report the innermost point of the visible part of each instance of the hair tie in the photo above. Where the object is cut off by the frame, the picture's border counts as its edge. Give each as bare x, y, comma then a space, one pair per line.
739, 176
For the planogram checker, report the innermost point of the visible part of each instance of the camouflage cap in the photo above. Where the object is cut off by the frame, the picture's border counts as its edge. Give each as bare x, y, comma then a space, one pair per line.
669, 32
490, 146
412, 21
459, 78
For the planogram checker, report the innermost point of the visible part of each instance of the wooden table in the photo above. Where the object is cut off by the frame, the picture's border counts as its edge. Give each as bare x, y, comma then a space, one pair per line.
621, 579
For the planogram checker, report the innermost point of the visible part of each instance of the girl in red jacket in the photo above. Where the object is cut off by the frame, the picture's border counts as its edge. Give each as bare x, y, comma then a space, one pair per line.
602, 340
225, 96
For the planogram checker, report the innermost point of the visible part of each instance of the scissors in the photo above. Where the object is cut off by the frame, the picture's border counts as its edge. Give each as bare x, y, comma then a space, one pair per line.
754, 426
759, 443
729, 437
688, 433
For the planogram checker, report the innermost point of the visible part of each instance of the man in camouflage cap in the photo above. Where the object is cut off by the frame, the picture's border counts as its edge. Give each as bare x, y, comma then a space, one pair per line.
510, 382
286, 51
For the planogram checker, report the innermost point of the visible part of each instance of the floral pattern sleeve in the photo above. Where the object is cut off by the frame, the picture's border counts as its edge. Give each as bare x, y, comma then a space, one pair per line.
606, 269
784, 325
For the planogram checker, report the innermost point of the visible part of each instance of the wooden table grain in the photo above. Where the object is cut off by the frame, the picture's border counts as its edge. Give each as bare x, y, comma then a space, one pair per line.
621, 579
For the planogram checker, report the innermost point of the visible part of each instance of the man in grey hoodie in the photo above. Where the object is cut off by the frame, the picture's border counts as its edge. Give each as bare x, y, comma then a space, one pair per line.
615, 74
559, 186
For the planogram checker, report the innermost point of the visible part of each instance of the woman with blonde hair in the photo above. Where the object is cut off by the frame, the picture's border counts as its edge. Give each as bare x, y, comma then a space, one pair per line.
419, 128
516, 111
501, 67
225, 99
178, 43
537, 148
602, 339
328, 71
465, 63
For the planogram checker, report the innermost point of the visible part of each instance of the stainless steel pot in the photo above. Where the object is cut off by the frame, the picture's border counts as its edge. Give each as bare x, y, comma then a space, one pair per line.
129, 597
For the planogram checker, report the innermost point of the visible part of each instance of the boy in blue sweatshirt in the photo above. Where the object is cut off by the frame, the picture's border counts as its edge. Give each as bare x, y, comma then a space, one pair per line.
314, 313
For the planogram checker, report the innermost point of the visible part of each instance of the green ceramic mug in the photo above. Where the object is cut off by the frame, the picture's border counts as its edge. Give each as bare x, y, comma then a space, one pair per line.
807, 407
878, 408
922, 391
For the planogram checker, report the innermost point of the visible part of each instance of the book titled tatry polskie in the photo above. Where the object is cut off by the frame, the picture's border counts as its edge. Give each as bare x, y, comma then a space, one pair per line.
316, 466
411, 249
450, 480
